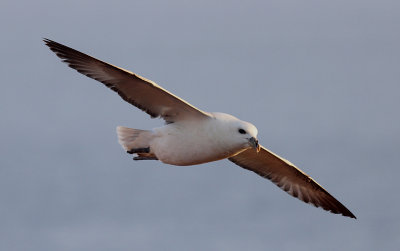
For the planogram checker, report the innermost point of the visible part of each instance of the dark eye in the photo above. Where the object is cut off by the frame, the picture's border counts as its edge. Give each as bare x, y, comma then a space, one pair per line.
241, 131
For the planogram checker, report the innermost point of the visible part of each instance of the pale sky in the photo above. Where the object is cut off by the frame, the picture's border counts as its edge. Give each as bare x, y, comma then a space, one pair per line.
319, 79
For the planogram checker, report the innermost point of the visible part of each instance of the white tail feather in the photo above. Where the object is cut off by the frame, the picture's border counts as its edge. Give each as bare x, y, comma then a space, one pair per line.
130, 138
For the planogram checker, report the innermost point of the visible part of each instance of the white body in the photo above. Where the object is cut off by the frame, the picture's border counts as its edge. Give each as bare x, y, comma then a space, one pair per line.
191, 142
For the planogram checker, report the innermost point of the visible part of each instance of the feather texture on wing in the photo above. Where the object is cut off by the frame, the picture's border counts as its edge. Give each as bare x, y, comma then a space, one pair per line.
136, 90
289, 178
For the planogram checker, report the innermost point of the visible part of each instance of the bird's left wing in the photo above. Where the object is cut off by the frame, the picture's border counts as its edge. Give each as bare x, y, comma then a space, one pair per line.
289, 178
136, 90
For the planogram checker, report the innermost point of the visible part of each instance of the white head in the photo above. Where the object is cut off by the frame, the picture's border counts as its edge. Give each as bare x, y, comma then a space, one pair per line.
240, 133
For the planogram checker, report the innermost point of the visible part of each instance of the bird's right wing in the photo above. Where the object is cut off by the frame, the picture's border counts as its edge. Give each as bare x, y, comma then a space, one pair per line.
136, 90
289, 178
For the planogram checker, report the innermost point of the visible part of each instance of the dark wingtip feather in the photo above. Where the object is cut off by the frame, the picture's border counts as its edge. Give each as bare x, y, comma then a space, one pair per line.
349, 214
48, 42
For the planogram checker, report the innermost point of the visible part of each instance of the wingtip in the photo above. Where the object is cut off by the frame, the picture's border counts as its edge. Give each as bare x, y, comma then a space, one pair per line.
343, 211
351, 215
50, 43
46, 40
347, 213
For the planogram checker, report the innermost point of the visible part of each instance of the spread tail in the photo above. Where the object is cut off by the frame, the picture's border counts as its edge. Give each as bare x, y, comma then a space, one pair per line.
134, 140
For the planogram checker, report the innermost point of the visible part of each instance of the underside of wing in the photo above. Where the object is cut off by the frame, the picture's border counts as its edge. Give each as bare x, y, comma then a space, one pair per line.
136, 90
289, 178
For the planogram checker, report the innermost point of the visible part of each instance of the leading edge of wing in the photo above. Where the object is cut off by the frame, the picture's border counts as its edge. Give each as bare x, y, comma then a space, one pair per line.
290, 179
136, 90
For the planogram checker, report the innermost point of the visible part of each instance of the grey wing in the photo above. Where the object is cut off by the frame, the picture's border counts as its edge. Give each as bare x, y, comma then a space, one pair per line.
136, 90
289, 178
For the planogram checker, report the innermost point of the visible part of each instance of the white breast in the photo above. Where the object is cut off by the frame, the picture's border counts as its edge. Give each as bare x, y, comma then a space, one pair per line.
191, 143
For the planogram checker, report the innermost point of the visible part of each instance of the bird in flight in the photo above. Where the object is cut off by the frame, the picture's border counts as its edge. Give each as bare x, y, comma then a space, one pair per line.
191, 136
